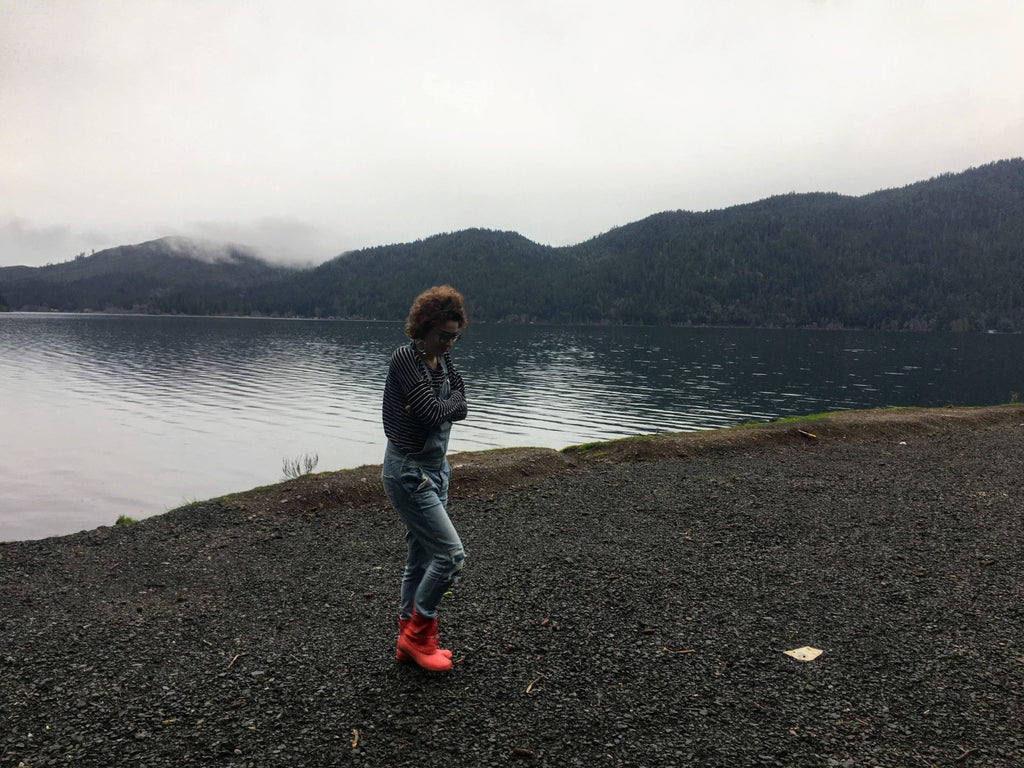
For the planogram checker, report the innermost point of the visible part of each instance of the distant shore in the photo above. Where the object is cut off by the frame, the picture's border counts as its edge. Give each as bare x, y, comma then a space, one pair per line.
625, 603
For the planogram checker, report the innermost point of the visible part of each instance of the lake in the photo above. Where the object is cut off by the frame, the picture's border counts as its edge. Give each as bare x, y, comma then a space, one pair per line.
109, 415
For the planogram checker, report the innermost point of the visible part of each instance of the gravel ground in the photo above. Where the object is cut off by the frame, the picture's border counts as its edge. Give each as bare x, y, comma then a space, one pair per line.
623, 614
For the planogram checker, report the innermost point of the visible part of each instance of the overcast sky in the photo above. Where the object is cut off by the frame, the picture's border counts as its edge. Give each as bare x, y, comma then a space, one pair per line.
309, 128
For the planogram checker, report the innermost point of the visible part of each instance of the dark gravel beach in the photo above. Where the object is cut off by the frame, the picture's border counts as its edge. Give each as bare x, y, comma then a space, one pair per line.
623, 605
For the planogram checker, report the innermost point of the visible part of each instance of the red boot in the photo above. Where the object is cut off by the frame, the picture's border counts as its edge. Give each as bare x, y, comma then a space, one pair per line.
401, 655
419, 643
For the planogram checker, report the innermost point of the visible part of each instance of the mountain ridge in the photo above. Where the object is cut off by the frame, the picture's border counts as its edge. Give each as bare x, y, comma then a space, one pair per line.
946, 253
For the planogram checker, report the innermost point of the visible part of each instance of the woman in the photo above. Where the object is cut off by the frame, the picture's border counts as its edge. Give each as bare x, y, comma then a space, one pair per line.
423, 395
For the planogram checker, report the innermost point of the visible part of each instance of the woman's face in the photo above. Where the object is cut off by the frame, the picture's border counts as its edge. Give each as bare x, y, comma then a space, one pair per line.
440, 338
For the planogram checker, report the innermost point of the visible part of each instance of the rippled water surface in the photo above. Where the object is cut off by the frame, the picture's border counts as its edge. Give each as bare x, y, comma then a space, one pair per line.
108, 415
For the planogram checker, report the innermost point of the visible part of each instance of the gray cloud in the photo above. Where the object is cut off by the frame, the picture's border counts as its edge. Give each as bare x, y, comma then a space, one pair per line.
310, 128
281, 240
21, 243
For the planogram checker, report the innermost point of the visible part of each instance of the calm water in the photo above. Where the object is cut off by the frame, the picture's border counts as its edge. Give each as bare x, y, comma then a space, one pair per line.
108, 415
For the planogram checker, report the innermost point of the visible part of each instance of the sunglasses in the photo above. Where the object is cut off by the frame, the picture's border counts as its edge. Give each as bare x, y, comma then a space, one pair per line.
447, 337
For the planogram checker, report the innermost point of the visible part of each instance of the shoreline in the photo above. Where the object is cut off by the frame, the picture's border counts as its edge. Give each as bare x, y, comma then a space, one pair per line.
830, 328
495, 470
625, 603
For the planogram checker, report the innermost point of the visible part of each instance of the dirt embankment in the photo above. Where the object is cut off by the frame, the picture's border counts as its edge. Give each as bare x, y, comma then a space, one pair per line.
489, 472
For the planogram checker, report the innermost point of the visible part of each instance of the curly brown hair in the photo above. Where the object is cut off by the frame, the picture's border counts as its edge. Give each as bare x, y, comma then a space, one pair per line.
437, 305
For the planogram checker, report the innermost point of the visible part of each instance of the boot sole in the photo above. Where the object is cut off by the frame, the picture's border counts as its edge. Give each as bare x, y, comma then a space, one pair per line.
412, 659
404, 658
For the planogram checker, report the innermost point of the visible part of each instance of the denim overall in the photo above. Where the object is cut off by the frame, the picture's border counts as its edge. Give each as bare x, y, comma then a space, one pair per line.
417, 486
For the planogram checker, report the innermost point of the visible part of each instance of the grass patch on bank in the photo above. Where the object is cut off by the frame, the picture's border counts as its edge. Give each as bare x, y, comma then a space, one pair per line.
600, 447
785, 420
621, 446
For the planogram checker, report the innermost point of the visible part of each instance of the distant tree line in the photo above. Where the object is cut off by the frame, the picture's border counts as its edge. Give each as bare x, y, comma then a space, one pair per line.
945, 254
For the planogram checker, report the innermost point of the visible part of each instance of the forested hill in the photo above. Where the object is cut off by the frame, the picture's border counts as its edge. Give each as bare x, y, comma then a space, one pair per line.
172, 274
947, 253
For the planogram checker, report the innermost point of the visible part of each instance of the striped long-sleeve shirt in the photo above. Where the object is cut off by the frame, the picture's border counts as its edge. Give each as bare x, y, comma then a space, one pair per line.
410, 382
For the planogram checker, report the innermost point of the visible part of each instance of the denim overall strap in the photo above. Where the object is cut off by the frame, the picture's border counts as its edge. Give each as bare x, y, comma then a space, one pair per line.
431, 455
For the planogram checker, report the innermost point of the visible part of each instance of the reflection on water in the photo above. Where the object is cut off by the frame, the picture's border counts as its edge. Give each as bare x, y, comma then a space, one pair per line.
110, 415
